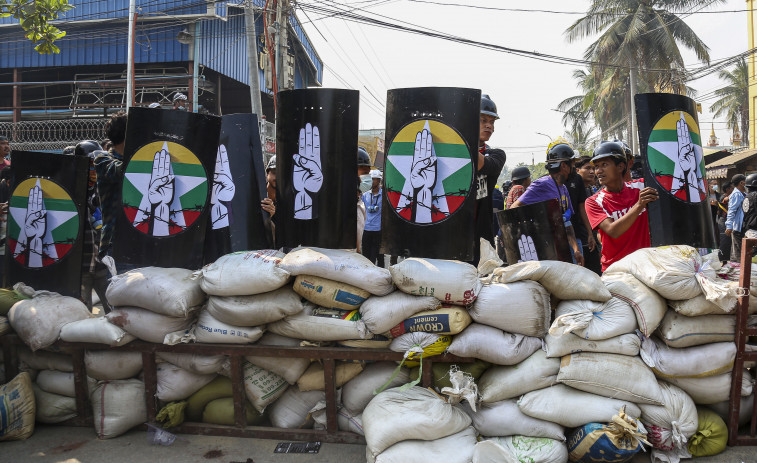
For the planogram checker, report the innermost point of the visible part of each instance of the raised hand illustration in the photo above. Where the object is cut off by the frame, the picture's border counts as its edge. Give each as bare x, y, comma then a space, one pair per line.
223, 190
307, 175
35, 226
688, 176
527, 249
423, 175
160, 192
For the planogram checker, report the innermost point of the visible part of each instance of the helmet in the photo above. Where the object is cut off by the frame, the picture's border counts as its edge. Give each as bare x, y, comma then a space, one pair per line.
179, 96
271, 164
521, 172
507, 185
86, 147
154, 105
69, 150
609, 149
626, 149
363, 159
488, 107
751, 181
375, 173
558, 154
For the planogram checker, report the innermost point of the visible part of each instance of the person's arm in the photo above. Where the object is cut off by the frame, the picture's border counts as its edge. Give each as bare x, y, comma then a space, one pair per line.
573, 242
615, 228
585, 220
491, 164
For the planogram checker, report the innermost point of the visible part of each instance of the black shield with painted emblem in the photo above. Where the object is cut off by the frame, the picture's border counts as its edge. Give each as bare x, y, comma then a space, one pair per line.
46, 213
169, 159
535, 232
316, 168
429, 192
237, 221
671, 151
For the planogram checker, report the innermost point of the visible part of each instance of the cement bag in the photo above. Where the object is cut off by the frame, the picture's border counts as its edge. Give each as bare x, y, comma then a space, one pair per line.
175, 383
112, 364
611, 375
211, 330
292, 409
313, 380
450, 281
53, 408
626, 344
317, 324
147, 325
95, 330
60, 382
649, 307
328, 293
194, 363
167, 291
381, 313
418, 345
221, 411
522, 307
456, 448
712, 389
680, 331
447, 320
358, 391
493, 345
563, 280
594, 320
118, 406
572, 408
292, 369
711, 437
416, 413
670, 426
219, 388
38, 321
504, 418
5, 325
745, 409
347, 421
343, 266
43, 360
699, 305
244, 273
505, 382
255, 310
524, 449
616, 442
689, 362
18, 408
262, 387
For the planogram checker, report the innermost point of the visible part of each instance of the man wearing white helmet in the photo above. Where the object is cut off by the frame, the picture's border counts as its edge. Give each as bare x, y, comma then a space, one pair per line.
372, 232
180, 101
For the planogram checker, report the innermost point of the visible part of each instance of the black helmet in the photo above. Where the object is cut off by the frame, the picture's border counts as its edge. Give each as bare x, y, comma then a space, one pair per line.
488, 107
86, 148
363, 159
521, 172
626, 149
271, 164
751, 181
609, 149
558, 154
507, 185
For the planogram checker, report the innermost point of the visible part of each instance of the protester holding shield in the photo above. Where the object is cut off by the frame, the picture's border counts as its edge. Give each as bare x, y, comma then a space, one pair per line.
489, 165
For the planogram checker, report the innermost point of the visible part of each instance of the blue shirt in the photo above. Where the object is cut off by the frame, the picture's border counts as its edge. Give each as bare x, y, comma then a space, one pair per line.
735, 212
372, 203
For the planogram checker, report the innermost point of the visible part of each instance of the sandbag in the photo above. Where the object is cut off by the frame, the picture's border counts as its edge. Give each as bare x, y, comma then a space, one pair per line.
493, 345
450, 281
649, 307
172, 292
194, 363
5, 325
626, 344
262, 387
312, 327
448, 319
8, 297
343, 266
416, 413
418, 345
712, 389
563, 280
257, 309
745, 409
95, 330
221, 411
328, 293
670, 426
594, 320
518, 449
147, 325
455, 448
244, 273
616, 442
218, 388
43, 360
504, 418
112, 364
38, 321
680, 331
347, 421
211, 330
176, 383
699, 306
292, 369
358, 391
571, 407
376, 341
441, 372
60, 382
505, 382
313, 380
292, 409
53, 408
689, 362
118, 406
711, 437
381, 313
522, 307
18, 408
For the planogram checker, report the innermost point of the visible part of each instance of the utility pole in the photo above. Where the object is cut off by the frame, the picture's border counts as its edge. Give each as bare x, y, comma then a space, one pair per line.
632, 116
282, 29
130, 57
252, 59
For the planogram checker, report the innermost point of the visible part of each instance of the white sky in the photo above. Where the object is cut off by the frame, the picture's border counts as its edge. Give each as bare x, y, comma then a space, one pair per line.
525, 90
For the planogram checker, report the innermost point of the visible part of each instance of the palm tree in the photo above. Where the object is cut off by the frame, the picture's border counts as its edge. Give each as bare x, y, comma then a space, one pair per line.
734, 98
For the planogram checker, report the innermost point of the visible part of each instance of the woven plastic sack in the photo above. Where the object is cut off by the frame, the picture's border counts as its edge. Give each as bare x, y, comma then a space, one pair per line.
255, 310
244, 273
450, 281
38, 320
262, 387
504, 418
112, 364
95, 330
680, 331
616, 442
522, 307
711, 437
358, 392
219, 388
670, 426
175, 383
53, 408
292, 409
713, 389
313, 380
493, 345
456, 448
328, 293
626, 344
649, 307
167, 291
594, 320
194, 363
43, 360
382, 313
419, 345
8, 297
315, 324
147, 325
746, 406
18, 408
60, 382
118, 406
221, 411
520, 449
506, 382
292, 369
689, 362
211, 330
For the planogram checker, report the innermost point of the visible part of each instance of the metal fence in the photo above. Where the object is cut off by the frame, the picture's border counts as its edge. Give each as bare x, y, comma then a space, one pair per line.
52, 134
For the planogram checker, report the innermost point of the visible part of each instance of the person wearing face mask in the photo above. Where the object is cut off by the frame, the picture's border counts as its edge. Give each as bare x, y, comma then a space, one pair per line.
364, 184
372, 233
180, 101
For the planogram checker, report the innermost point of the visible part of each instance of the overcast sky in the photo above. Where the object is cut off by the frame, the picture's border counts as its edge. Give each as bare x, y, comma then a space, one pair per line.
525, 90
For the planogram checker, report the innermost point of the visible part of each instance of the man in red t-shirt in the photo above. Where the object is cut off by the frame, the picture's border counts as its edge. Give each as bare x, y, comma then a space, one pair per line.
618, 211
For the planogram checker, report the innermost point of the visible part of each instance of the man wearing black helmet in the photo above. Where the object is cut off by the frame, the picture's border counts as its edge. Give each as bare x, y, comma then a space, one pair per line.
521, 178
749, 206
489, 166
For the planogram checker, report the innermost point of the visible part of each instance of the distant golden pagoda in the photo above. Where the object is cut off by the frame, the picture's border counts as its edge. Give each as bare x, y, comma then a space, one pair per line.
713, 139
736, 139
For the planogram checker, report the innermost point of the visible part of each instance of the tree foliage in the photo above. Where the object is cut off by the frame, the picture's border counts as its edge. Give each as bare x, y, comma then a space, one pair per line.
733, 99
34, 17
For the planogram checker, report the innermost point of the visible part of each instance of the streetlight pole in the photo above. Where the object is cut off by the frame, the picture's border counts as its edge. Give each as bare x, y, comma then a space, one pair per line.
130, 56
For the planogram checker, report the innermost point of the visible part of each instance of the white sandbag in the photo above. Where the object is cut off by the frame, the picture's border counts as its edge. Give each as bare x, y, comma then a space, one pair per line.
670, 426
255, 310
712, 389
350, 422
505, 382
118, 406
43, 360
594, 320
680, 331
195, 363
17, 407
211, 330
147, 325
53, 408
292, 409
563, 280
493, 345
60, 382
455, 448
689, 362
515, 449
313, 378
649, 307
504, 418
112, 364
262, 387
328, 293
450, 281
699, 306
745, 409
449, 319
176, 383
572, 408
95, 330
358, 392
292, 369
38, 321
167, 291
522, 307
416, 413
627, 344
382, 313
307, 325
611, 375
244, 273
344, 266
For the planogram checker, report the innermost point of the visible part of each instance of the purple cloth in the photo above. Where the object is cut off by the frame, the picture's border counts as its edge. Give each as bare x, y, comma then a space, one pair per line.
544, 189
